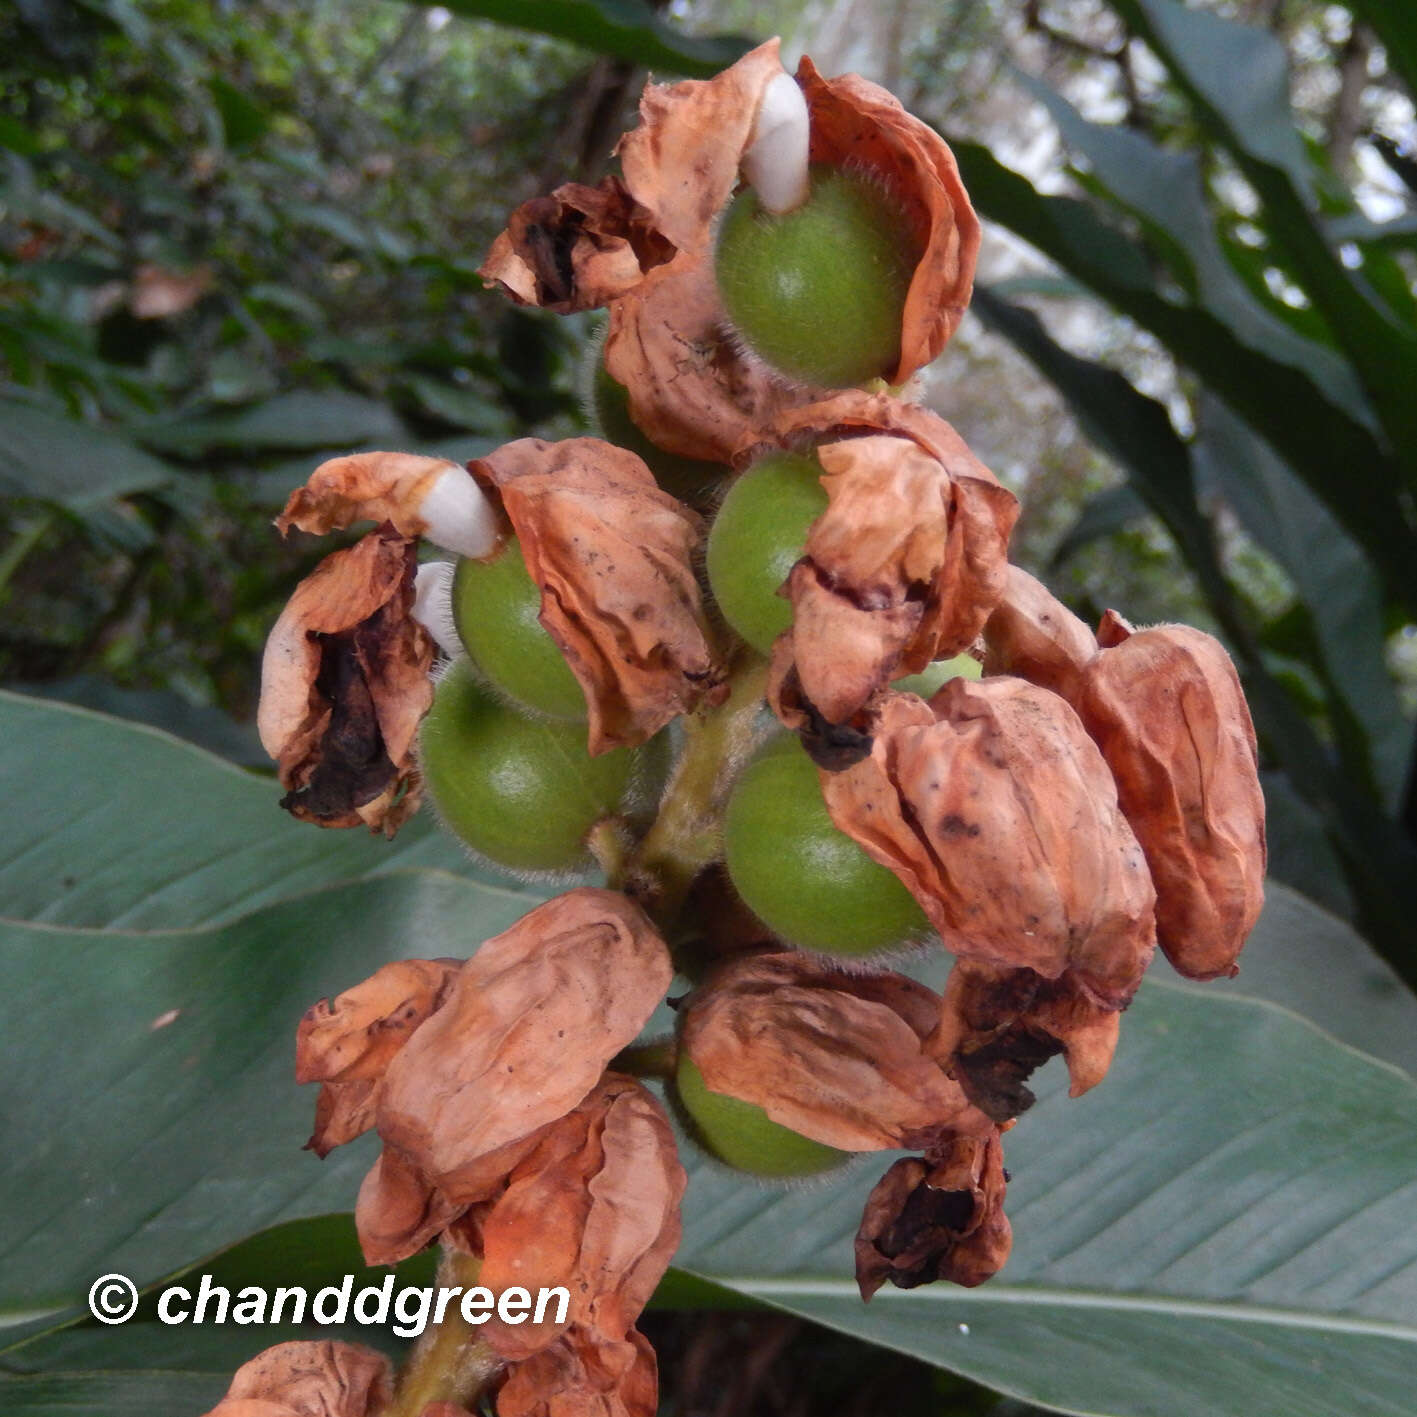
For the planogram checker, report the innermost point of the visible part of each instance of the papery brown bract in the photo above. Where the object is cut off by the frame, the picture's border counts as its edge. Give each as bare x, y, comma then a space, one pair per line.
593, 1208
835, 1057
525, 1032
909, 558
613, 556
1166, 708
312, 1379
1036, 637
996, 810
344, 684
937, 1218
998, 1025
346, 1045
584, 1374
577, 249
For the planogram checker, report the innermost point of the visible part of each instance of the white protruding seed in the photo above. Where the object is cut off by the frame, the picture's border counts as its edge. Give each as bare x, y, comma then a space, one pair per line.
459, 516
433, 604
775, 163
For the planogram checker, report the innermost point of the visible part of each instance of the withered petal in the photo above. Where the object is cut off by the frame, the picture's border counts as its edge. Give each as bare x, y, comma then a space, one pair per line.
577, 249
832, 1057
344, 685
584, 1374
614, 558
594, 1208
310, 1379
1166, 708
1033, 635
995, 809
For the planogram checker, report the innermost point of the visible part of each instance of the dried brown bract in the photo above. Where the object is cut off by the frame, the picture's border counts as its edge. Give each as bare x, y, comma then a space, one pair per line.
577, 249
593, 1207
1033, 635
836, 1057
996, 810
522, 1038
344, 684
613, 556
937, 1218
998, 1025
317, 1379
1166, 707
347, 1045
908, 560
584, 1374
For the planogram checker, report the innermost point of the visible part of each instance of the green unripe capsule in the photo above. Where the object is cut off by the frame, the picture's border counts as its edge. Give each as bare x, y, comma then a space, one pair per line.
930, 679
743, 1136
803, 877
819, 292
495, 608
521, 791
756, 539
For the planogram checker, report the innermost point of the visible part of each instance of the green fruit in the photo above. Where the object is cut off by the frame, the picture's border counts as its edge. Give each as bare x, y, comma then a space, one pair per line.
819, 293
742, 1135
691, 480
756, 539
495, 608
798, 873
522, 792
930, 679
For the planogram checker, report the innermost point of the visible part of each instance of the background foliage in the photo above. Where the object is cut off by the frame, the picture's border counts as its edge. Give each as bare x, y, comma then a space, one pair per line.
236, 237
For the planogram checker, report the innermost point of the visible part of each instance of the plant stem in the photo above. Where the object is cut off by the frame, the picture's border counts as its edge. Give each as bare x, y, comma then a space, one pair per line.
656, 1059
451, 1362
686, 836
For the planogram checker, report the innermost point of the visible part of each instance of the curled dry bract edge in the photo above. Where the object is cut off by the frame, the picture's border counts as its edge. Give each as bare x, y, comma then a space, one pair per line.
310, 1379
347, 1045
344, 684
996, 810
1166, 707
835, 1057
614, 559
593, 1208
524, 1034
937, 1218
1034, 636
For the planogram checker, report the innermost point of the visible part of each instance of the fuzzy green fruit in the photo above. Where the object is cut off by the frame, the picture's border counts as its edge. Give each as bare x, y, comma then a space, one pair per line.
521, 791
805, 879
743, 1136
930, 679
495, 608
691, 480
819, 293
756, 539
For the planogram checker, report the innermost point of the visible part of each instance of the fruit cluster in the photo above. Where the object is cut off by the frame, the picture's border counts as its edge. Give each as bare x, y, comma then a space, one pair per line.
757, 653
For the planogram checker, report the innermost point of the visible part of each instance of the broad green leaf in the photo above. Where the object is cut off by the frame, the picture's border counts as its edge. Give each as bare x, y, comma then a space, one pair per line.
69, 464
151, 1394
1334, 581
1237, 79
302, 420
1236, 1193
1314, 435
126, 827
628, 29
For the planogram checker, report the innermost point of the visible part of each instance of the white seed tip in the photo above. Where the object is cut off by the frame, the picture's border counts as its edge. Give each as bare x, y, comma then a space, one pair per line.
433, 604
459, 516
775, 163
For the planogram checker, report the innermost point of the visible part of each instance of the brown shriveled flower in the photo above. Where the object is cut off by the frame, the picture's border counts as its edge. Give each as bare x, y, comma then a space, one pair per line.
997, 1025
347, 1045
997, 812
937, 1218
584, 1375
344, 684
836, 1057
614, 558
513, 1042
316, 1379
1166, 708
906, 563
